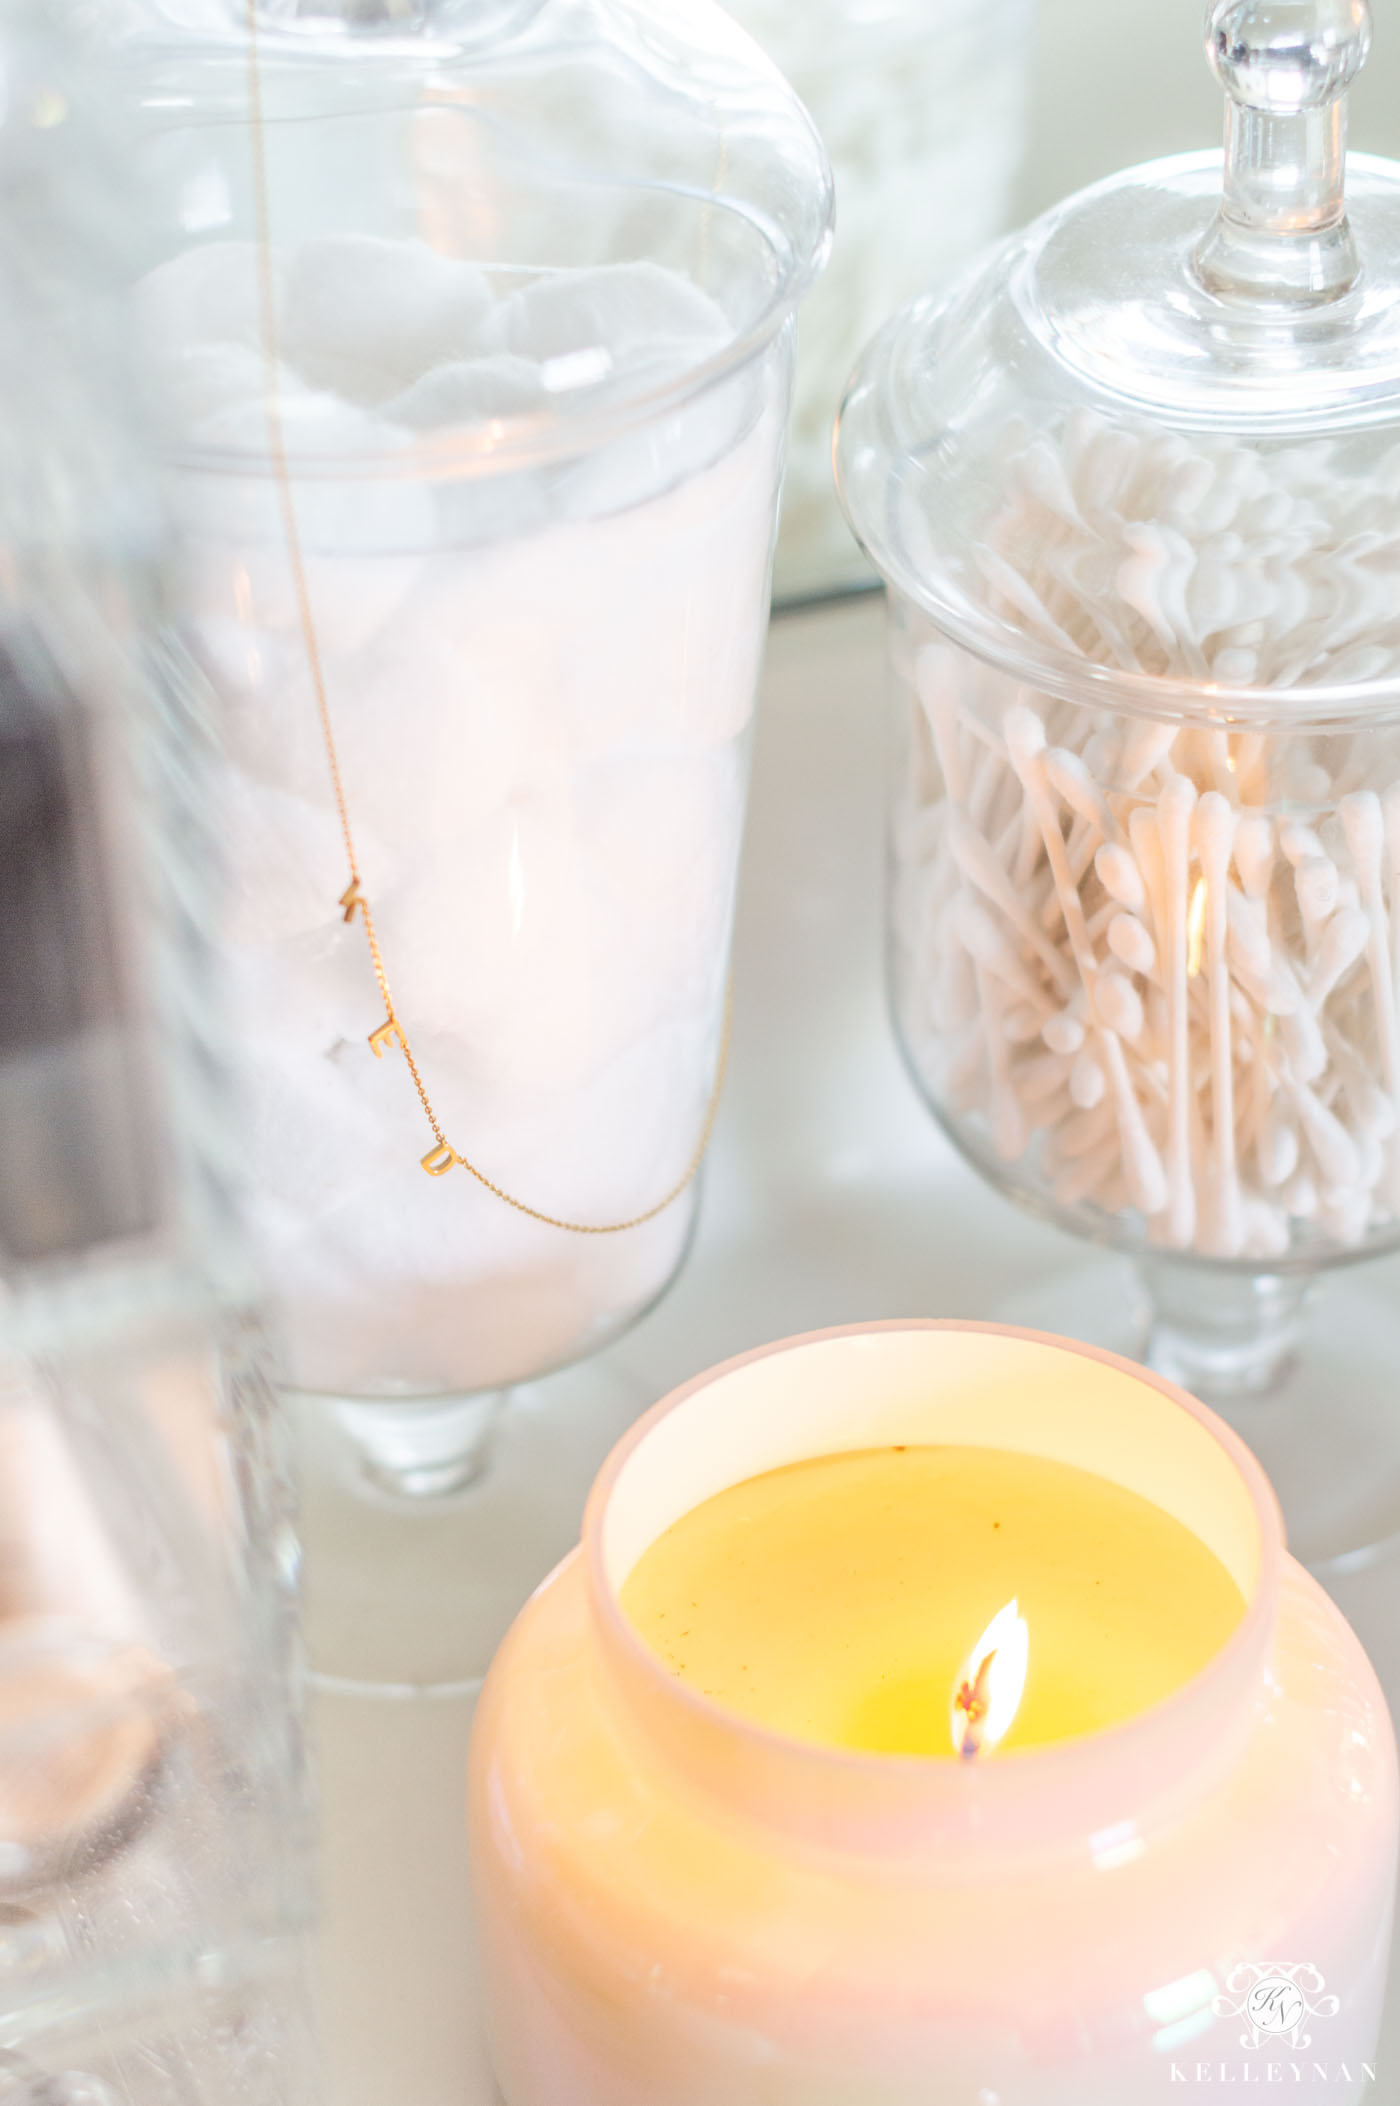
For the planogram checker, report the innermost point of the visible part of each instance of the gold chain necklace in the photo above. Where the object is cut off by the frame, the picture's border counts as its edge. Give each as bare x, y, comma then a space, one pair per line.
442, 1156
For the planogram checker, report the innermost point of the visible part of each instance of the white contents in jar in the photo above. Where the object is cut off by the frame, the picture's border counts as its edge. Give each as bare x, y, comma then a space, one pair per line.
541, 682
1155, 956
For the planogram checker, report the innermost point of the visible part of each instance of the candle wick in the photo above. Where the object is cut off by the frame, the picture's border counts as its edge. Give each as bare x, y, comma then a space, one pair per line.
974, 1700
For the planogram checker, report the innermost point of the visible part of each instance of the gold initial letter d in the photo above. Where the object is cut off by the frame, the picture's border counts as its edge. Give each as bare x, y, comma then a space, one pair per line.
438, 1161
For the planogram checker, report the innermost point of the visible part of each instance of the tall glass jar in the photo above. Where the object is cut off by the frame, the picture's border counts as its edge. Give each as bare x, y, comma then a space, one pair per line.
474, 334
921, 105
153, 1861
1135, 489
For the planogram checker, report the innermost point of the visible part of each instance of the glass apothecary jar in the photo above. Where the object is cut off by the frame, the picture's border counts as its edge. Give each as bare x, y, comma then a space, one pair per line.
922, 106
1135, 486
473, 328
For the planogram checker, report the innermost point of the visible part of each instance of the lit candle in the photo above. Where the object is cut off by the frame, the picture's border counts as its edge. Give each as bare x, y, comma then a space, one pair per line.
697, 1889
838, 1600
990, 1686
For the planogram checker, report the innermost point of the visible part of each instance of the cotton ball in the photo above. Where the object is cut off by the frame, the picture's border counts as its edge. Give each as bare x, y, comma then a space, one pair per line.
313, 422
469, 391
647, 462
337, 1136
658, 839
660, 828
303, 1110
366, 317
363, 529
285, 861
495, 941
240, 597
442, 719
639, 1116
657, 456
354, 597
198, 382
206, 295
647, 319
304, 1010
481, 511
226, 617
476, 1287
665, 629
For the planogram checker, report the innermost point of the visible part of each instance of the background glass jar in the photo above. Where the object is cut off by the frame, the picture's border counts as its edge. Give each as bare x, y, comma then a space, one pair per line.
922, 106
520, 304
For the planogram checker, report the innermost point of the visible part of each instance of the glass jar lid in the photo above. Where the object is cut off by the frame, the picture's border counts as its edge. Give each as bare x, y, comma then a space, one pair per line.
1151, 444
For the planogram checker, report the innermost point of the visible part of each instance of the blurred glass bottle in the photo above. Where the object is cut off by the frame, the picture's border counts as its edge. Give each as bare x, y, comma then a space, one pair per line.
152, 1802
922, 106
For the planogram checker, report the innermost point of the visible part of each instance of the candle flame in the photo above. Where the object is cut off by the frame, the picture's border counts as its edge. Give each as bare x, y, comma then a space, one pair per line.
1196, 929
988, 1691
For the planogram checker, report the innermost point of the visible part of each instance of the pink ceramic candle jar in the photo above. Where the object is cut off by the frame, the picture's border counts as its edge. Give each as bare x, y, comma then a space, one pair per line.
680, 1909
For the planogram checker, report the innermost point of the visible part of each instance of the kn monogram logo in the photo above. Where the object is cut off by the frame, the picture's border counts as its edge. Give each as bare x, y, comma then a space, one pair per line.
1275, 2001
1280, 2002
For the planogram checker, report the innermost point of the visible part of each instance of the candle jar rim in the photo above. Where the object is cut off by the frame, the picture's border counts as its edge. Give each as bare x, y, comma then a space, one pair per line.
871, 1798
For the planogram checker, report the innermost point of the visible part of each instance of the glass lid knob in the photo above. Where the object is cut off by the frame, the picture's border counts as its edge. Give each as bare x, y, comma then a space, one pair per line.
1281, 235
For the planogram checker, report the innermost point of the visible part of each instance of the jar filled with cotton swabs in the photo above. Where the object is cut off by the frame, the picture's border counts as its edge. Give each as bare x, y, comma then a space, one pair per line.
1136, 490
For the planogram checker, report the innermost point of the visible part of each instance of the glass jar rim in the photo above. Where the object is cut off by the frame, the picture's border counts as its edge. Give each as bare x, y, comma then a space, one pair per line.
517, 445
1164, 698
788, 236
1019, 1793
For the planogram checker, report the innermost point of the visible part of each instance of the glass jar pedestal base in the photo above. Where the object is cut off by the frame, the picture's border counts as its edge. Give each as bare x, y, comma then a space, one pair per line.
1306, 1370
426, 1524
